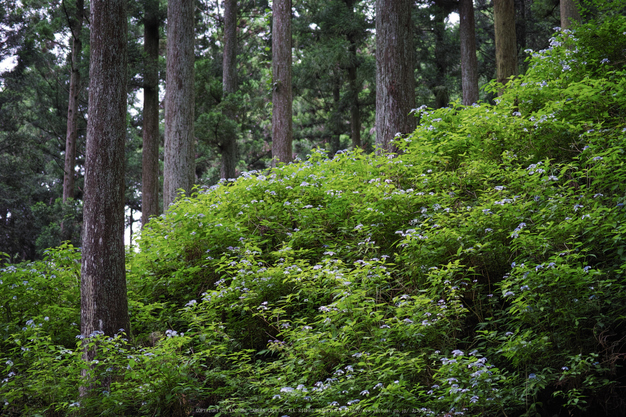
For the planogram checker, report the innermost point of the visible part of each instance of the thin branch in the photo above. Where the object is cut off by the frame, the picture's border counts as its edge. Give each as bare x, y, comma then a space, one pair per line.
70, 23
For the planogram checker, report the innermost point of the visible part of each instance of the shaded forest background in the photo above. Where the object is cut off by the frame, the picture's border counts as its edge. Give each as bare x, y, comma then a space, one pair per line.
333, 74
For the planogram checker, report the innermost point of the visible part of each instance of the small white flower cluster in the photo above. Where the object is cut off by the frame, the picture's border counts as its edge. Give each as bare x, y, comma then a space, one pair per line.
173, 333
515, 233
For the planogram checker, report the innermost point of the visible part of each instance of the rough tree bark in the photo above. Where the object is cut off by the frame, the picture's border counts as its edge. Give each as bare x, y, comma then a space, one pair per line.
569, 13
469, 63
506, 45
229, 83
150, 153
76, 25
103, 275
282, 133
179, 164
395, 82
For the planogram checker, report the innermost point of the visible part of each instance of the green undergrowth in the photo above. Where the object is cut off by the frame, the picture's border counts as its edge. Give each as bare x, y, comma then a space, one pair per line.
478, 272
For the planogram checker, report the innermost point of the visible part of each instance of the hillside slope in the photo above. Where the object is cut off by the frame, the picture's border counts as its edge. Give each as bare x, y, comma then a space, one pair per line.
478, 272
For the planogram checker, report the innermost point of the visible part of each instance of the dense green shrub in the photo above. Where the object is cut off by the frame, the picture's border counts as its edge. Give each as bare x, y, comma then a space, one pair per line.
478, 272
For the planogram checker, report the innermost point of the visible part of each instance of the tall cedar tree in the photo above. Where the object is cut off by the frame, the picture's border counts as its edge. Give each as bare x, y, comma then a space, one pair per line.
395, 81
506, 45
229, 84
569, 13
150, 153
76, 26
282, 150
469, 63
179, 165
104, 304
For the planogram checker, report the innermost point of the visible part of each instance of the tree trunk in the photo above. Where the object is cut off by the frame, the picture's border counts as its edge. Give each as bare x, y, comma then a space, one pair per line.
229, 83
469, 64
569, 13
395, 81
150, 153
282, 150
521, 16
179, 165
355, 113
440, 90
76, 26
506, 46
131, 221
336, 119
104, 304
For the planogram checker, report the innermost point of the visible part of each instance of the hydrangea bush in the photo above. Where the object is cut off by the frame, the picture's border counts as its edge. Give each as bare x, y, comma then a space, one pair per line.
479, 272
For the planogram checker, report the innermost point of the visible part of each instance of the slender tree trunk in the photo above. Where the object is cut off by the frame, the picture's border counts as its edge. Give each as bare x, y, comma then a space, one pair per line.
72, 108
336, 119
131, 221
179, 164
282, 134
521, 31
469, 63
229, 78
150, 154
355, 113
569, 13
229, 82
520, 24
506, 45
104, 304
395, 81
440, 90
